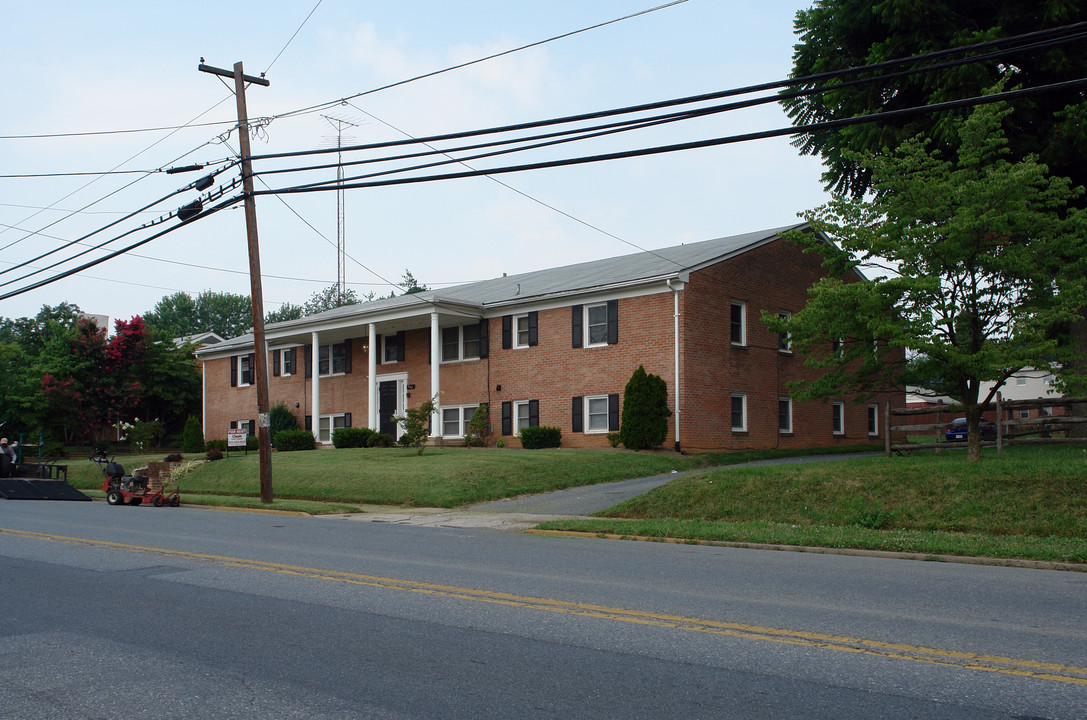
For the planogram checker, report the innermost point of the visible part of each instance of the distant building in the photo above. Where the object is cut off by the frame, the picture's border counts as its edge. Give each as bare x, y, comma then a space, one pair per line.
198, 340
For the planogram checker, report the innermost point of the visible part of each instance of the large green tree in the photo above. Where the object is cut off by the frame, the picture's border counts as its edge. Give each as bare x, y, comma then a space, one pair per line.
838, 34
983, 260
180, 314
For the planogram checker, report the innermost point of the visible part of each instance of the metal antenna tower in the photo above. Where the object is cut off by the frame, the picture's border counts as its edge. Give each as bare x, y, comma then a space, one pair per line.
341, 251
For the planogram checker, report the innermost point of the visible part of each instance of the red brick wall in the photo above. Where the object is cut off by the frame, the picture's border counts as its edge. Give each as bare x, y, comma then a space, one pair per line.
774, 277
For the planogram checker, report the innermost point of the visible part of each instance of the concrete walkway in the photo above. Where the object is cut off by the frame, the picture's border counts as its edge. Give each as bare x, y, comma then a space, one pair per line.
522, 513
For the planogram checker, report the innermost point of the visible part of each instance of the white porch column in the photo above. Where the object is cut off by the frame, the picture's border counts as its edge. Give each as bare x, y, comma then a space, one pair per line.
435, 375
315, 367
371, 380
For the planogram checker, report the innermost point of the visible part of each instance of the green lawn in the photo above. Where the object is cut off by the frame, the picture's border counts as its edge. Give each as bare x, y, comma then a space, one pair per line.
1028, 502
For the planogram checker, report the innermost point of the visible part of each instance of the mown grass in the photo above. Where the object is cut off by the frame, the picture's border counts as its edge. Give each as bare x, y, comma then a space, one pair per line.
440, 477
1028, 502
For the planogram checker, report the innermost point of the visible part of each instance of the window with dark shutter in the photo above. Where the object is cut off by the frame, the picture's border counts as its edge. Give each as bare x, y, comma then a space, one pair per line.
484, 338
576, 409
613, 322
289, 364
507, 418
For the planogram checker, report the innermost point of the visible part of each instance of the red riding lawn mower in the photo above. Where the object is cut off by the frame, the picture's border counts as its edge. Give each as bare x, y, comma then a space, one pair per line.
121, 489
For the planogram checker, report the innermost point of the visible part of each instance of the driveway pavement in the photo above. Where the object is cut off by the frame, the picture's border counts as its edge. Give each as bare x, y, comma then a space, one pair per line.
521, 513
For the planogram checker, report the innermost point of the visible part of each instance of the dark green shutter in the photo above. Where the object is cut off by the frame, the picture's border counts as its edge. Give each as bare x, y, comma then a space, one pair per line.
575, 326
533, 332
507, 332
233, 371
507, 418
613, 412
576, 408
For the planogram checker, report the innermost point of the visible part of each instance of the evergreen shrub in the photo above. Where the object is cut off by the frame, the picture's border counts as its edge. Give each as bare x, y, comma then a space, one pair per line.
541, 436
352, 437
644, 424
380, 440
291, 440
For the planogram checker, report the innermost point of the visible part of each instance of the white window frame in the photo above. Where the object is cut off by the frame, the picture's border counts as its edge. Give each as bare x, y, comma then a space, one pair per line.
463, 417
460, 344
873, 420
1024, 413
837, 417
1021, 381
518, 406
518, 320
785, 340
242, 373
281, 353
588, 415
742, 397
785, 430
742, 342
385, 350
242, 425
326, 425
587, 327
331, 363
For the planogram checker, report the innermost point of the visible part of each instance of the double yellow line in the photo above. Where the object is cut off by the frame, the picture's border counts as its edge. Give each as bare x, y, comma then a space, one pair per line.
972, 661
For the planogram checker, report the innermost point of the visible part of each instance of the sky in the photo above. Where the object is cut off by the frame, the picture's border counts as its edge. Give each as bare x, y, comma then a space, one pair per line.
110, 66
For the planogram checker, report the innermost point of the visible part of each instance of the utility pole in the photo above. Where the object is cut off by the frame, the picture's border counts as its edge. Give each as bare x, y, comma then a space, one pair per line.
260, 354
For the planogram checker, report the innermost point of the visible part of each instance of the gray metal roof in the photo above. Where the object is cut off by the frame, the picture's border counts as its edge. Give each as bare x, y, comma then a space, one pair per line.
566, 280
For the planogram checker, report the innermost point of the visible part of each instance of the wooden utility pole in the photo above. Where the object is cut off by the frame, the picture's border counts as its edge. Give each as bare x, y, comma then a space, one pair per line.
260, 349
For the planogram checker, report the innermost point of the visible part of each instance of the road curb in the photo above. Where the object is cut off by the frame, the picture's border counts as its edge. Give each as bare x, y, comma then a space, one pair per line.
883, 554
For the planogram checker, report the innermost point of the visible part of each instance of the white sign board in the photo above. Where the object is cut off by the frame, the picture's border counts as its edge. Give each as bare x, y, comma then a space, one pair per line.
236, 438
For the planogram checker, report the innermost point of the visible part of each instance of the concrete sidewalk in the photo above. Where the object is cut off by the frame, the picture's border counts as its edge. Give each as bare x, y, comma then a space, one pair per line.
522, 513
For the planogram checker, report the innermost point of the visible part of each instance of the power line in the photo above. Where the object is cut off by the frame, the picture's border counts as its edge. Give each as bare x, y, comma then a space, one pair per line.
713, 142
322, 106
292, 38
795, 130
1028, 41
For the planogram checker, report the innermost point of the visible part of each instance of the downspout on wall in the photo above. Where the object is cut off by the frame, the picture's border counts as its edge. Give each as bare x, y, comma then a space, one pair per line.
675, 353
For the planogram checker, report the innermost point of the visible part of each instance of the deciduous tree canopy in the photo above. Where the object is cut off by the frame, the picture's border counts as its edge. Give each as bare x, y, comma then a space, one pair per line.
984, 264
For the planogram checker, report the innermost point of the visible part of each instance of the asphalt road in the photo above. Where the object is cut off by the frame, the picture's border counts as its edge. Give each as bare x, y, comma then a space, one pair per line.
121, 612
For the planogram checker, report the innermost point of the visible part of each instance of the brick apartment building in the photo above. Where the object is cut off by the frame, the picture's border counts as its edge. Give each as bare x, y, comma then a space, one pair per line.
557, 347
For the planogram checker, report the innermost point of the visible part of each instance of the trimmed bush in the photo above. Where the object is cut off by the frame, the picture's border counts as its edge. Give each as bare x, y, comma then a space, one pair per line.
280, 417
219, 445
173, 457
479, 428
380, 440
214, 455
352, 437
645, 411
542, 436
192, 437
252, 442
290, 440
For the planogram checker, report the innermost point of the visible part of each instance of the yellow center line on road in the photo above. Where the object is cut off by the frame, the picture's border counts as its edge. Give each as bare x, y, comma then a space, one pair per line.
973, 661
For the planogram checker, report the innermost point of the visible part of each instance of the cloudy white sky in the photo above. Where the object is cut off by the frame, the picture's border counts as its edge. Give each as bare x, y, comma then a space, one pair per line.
103, 66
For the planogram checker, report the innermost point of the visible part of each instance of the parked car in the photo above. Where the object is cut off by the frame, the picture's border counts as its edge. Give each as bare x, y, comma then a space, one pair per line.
957, 432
